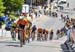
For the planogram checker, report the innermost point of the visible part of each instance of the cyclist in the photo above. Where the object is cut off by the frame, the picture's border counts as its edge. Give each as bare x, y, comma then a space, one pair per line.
13, 30
21, 25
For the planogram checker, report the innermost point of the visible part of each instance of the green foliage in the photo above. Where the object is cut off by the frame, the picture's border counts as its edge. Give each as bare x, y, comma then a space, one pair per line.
1, 8
13, 5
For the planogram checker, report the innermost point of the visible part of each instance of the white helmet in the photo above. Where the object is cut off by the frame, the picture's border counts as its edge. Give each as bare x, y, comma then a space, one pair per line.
21, 17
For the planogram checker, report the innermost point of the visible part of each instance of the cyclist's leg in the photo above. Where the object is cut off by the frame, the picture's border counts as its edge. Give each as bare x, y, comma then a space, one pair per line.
28, 37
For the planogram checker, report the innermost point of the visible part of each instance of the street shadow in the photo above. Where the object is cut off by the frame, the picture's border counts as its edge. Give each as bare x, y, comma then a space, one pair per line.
13, 45
42, 46
64, 49
67, 48
9, 42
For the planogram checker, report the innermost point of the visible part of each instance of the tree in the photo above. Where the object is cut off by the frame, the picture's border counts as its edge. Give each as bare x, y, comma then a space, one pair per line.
13, 5
1, 8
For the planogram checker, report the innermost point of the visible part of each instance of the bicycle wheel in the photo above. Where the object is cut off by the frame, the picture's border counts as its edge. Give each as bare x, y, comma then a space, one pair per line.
13, 35
20, 34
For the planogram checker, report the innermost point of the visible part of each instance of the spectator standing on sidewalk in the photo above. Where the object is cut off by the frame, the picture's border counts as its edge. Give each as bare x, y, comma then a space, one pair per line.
61, 16
67, 4
67, 17
44, 10
58, 34
56, 14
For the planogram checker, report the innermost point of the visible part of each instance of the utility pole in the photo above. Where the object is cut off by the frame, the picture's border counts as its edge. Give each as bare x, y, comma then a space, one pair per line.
30, 6
31, 3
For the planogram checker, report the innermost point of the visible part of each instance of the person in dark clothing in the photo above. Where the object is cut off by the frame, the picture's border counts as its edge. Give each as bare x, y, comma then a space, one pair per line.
33, 32
56, 14
67, 4
61, 16
58, 33
13, 31
34, 28
51, 35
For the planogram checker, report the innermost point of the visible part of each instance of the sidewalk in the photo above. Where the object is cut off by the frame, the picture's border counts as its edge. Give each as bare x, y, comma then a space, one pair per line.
4, 33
